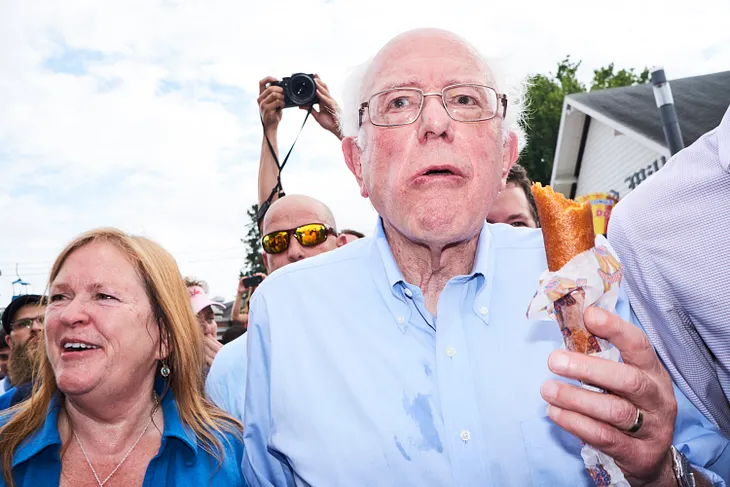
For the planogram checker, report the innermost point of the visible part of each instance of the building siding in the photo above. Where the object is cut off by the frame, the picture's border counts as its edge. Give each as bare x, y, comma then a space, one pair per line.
614, 162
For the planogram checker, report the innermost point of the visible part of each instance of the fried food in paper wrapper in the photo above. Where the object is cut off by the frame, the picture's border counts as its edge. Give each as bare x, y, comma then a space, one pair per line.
583, 270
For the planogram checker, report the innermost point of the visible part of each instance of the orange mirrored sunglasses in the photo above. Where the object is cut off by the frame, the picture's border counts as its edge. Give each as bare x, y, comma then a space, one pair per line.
307, 235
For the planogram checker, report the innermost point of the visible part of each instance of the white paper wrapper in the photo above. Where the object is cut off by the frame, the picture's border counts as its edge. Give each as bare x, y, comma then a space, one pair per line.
592, 277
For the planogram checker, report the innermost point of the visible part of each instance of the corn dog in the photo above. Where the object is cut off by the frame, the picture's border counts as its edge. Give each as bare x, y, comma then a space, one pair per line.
567, 227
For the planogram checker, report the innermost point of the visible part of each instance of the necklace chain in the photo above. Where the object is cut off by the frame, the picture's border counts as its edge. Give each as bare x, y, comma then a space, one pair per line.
88, 461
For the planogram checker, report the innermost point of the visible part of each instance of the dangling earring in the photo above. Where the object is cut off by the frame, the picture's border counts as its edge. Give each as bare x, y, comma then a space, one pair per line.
165, 370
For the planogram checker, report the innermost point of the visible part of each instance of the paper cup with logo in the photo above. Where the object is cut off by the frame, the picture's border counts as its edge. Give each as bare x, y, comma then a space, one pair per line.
601, 206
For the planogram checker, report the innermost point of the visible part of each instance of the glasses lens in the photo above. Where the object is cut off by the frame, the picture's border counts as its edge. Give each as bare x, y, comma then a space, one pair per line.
312, 234
470, 103
24, 323
276, 242
395, 107
41, 319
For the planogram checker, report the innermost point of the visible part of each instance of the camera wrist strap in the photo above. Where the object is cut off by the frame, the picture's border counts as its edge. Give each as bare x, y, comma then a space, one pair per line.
277, 187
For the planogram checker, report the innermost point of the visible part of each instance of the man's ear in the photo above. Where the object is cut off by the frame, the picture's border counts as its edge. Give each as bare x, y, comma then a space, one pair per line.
9, 341
510, 153
266, 262
341, 240
352, 157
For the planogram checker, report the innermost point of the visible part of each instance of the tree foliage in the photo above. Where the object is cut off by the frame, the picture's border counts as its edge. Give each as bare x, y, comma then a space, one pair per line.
254, 259
545, 96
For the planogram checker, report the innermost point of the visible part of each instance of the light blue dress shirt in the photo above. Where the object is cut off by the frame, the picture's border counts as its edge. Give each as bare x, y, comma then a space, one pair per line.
5, 385
351, 381
226, 381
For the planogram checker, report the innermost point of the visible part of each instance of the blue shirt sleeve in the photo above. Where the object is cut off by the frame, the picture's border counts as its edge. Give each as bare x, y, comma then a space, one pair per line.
261, 467
698, 439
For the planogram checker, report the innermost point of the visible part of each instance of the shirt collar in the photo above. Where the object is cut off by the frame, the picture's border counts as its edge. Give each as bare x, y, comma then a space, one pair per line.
42, 438
48, 435
174, 427
393, 272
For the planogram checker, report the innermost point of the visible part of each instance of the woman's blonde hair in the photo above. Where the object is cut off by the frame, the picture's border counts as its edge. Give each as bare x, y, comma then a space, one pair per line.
179, 332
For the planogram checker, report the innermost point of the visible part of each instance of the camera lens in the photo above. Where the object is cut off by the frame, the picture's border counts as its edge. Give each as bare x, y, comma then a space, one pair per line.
302, 89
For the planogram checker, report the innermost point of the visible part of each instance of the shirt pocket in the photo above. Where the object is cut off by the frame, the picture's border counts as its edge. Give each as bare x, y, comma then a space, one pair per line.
553, 455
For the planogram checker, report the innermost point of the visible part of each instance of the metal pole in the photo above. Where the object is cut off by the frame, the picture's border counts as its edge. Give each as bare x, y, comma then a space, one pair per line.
665, 103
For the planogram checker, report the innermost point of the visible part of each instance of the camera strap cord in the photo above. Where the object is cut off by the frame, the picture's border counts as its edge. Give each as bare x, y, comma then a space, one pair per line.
277, 187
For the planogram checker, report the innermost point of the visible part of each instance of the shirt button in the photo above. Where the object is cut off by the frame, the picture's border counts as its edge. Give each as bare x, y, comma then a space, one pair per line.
408, 292
465, 435
401, 320
483, 310
450, 351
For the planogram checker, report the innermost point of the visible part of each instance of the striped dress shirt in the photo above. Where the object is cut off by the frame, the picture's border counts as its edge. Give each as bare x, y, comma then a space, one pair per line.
672, 234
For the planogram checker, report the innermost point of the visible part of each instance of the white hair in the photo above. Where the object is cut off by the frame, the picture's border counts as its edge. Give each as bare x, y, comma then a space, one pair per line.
515, 89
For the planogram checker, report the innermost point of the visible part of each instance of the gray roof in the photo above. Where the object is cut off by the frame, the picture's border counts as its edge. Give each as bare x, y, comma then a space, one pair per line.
700, 101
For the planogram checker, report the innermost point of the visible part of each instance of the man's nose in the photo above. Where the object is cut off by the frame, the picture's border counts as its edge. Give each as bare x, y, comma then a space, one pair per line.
435, 121
295, 252
36, 326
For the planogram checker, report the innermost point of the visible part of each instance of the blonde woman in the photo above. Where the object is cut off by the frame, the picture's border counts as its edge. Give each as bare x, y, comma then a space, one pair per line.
117, 397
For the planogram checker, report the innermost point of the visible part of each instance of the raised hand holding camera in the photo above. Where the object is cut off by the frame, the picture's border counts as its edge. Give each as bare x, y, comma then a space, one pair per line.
326, 116
270, 101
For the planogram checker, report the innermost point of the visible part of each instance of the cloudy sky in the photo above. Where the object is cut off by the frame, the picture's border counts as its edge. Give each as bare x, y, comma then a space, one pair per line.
142, 114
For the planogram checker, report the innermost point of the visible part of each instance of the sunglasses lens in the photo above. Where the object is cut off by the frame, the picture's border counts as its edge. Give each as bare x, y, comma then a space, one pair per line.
311, 235
276, 243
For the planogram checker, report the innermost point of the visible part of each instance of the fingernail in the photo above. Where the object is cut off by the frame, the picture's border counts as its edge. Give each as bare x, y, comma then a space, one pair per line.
597, 316
558, 361
549, 390
552, 411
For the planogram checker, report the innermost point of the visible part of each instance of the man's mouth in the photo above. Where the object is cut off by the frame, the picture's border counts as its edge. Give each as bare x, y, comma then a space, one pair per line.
439, 172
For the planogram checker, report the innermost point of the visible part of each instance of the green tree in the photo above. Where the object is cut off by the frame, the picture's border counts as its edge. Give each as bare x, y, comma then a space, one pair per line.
545, 95
254, 259
605, 78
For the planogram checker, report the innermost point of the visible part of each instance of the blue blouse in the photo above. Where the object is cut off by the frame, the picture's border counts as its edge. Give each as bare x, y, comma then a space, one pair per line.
180, 462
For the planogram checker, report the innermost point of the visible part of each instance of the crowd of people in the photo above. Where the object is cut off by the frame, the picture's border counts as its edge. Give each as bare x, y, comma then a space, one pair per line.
404, 358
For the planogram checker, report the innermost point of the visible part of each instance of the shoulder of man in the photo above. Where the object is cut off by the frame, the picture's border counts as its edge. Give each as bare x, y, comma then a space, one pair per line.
340, 263
508, 237
5, 402
683, 179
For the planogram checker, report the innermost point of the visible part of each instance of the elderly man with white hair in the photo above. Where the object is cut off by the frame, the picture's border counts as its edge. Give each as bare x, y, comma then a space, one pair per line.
406, 358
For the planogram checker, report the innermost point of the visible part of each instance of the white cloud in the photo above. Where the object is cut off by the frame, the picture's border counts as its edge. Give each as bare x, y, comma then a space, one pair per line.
106, 144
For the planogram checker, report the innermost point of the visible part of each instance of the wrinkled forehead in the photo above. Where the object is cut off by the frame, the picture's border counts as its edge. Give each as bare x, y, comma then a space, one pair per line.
428, 62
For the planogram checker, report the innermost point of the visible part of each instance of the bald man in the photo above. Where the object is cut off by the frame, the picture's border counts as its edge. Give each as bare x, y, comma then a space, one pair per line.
297, 227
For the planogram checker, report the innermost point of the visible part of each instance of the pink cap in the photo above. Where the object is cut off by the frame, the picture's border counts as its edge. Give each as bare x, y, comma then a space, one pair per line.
199, 300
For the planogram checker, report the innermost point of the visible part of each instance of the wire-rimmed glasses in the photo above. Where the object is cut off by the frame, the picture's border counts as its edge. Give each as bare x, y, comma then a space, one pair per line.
463, 102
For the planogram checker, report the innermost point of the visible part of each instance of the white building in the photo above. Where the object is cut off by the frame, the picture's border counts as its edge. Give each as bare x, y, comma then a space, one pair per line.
612, 140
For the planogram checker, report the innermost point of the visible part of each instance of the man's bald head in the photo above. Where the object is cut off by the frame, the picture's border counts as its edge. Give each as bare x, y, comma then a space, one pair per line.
449, 42
290, 212
296, 207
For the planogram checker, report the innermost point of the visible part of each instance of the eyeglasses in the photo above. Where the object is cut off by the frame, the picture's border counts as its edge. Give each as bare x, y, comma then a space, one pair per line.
307, 235
26, 322
463, 103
